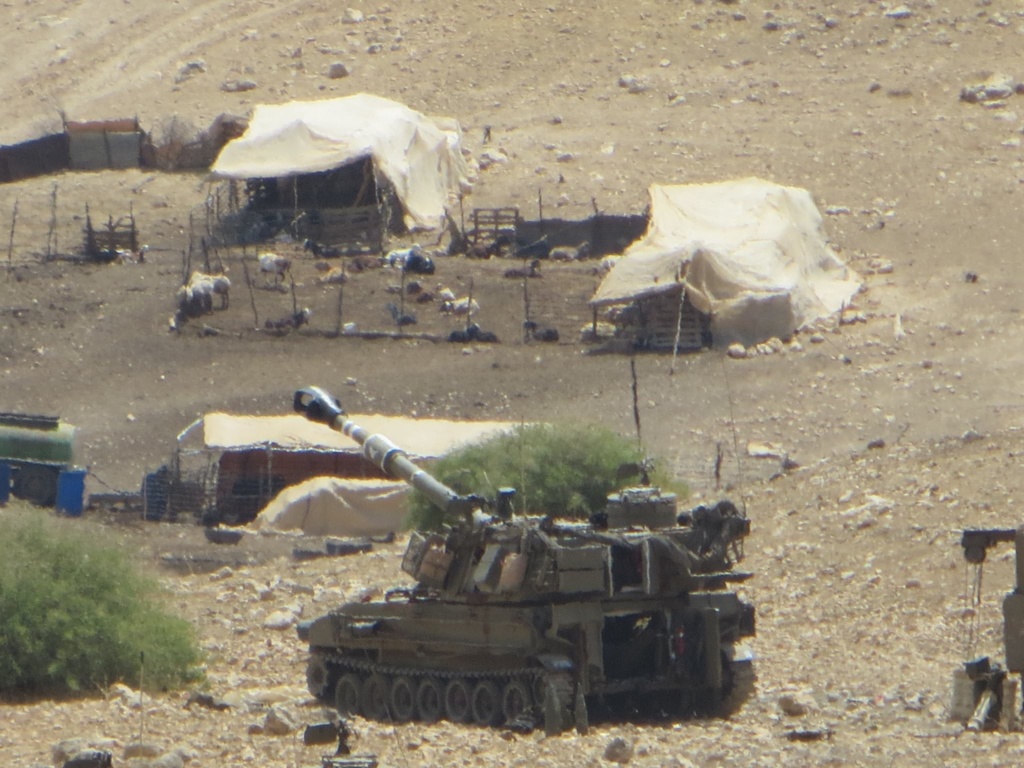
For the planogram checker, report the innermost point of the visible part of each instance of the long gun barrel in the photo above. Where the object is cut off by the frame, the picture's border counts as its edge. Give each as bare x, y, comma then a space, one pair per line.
319, 406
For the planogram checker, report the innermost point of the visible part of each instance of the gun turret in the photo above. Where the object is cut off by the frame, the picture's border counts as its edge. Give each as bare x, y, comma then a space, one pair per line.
319, 406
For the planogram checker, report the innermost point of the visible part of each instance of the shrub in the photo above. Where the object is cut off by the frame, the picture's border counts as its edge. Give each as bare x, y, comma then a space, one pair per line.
566, 470
75, 615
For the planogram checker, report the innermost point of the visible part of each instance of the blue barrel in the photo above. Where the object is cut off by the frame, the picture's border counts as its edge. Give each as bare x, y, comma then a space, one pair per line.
5, 482
71, 491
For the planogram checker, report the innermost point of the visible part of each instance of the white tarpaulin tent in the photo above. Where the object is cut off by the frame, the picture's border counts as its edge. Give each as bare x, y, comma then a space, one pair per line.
335, 506
750, 254
421, 157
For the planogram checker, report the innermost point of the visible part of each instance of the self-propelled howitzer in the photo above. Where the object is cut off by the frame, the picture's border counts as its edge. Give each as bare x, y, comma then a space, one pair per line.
527, 618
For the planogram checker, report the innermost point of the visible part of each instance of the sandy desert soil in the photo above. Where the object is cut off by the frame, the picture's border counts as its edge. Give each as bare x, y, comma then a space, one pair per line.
859, 584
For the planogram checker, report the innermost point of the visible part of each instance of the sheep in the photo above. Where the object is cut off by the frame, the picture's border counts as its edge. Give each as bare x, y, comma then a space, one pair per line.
212, 285
331, 275
540, 334
273, 264
473, 333
295, 320
412, 259
195, 298
461, 307
398, 317
531, 270
320, 250
571, 253
605, 265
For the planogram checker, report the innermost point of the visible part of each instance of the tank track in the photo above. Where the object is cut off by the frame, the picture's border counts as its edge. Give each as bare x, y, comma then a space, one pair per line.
513, 697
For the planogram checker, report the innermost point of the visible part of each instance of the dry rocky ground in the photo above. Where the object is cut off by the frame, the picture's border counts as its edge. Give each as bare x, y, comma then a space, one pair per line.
860, 586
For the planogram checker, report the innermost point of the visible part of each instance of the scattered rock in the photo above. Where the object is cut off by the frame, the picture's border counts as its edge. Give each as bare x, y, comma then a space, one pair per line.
140, 749
278, 722
338, 70
632, 84
619, 750
224, 573
491, 157
796, 704
279, 620
187, 70
736, 351
900, 12
352, 16
237, 86
206, 700
995, 88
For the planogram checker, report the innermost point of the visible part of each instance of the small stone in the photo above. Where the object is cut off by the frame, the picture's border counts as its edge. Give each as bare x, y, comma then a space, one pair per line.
140, 749
237, 86
796, 704
278, 722
902, 12
736, 351
374, 48
619, 750
279, 620
352, 16
338, 70
224, 573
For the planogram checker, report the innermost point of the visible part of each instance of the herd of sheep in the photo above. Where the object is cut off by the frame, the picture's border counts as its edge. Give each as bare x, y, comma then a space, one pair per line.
205, 293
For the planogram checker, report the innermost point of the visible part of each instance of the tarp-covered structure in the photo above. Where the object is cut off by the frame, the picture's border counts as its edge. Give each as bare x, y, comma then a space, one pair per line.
236, 464
420, 158
748, 254
337, 506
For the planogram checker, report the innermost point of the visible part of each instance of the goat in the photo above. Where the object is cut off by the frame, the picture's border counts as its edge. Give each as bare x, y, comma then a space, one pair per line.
531, 270
473, 333
294, 320
540, 334
272, 264
460, 307
320, 250
571, 253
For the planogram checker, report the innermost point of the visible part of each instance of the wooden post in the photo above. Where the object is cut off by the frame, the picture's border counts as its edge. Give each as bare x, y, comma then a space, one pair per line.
526, 305
341, 297
540, 209
401, 300
206, 255
51, 236
10, 241
295, 301
252, 293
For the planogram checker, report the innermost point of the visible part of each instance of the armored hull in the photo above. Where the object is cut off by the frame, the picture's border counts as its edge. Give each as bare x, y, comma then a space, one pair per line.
517, 620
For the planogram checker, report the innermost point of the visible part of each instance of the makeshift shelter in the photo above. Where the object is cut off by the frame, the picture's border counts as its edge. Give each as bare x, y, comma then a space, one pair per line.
227, 467
311, 156
734, 261
335, 506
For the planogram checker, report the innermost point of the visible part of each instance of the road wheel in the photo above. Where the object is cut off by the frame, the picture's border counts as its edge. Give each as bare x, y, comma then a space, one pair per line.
347, 693
374, 698
486, 703
515, 700
458, 701
429, 700
37, 485
403, 699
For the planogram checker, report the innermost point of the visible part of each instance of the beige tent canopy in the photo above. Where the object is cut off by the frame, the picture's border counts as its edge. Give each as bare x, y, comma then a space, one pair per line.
420, 157
423, 438
750, 254
335, 506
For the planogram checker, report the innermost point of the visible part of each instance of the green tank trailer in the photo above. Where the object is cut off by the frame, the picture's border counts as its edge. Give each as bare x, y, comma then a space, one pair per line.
36, 448
521, 620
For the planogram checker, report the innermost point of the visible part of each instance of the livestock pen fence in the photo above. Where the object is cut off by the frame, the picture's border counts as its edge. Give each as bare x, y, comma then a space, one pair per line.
361, 296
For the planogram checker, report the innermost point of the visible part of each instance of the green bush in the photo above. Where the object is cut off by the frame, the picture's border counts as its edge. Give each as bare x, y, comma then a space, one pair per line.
75, 615
566, 470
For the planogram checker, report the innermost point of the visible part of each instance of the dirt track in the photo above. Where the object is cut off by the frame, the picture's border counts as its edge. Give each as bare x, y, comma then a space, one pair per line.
860, 598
